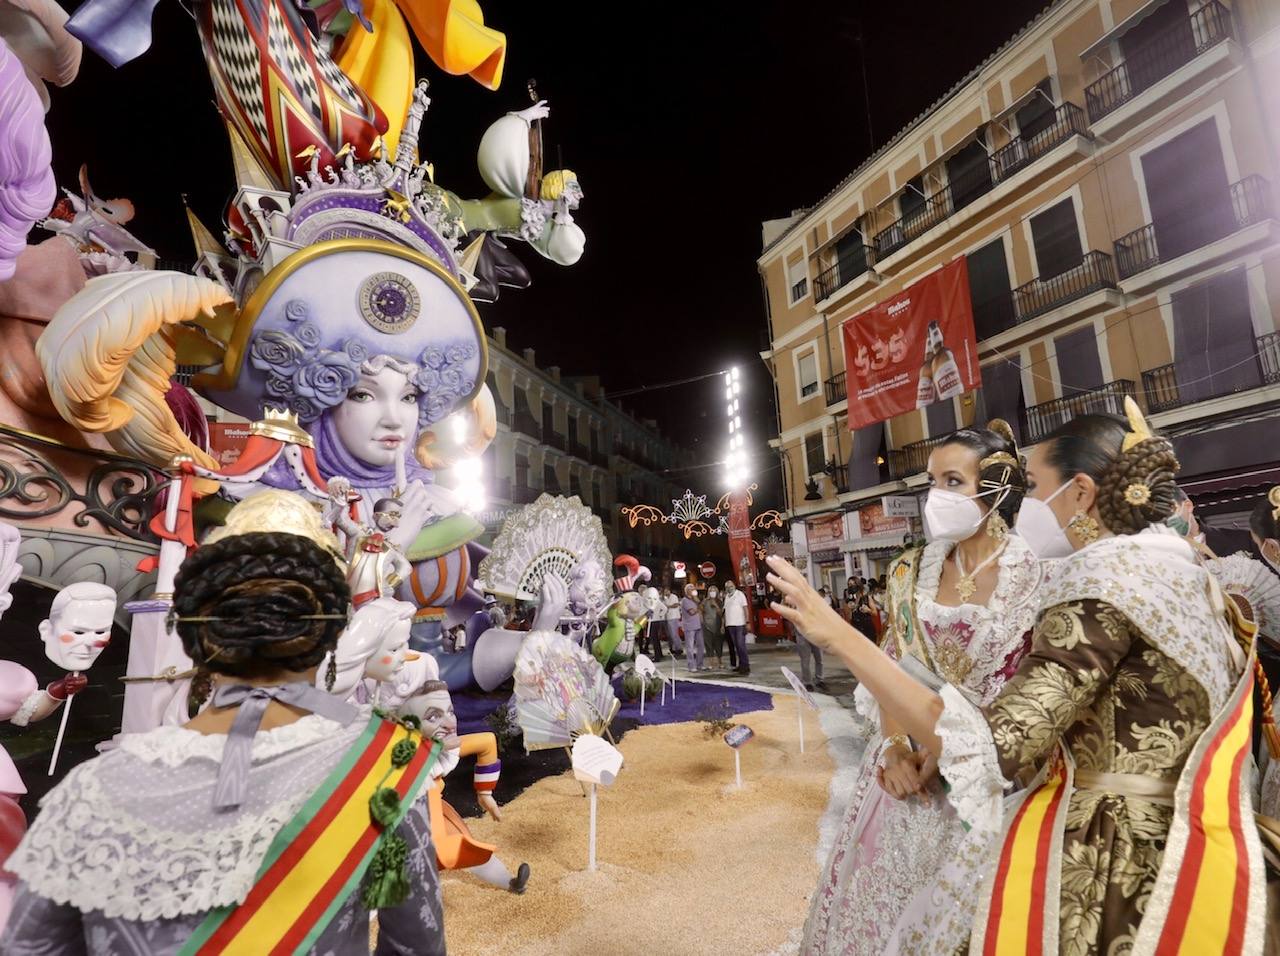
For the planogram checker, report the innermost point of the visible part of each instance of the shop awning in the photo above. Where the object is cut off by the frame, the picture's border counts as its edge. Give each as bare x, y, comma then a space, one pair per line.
1123, 27
1250, 478
875, 542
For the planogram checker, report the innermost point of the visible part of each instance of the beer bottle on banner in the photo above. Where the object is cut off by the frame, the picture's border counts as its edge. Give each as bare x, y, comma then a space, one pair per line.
926, 392
946, 374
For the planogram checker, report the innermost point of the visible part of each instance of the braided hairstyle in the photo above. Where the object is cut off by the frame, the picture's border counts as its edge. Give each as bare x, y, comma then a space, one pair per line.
258, 587
1136, 488
986, 442
1263, 521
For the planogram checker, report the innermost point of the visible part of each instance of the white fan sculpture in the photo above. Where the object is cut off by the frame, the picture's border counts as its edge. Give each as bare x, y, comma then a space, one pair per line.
552, 535
561, 692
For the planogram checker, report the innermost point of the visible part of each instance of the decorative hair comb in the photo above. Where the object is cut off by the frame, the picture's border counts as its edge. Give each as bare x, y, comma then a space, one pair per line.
1139, 430
1273, 497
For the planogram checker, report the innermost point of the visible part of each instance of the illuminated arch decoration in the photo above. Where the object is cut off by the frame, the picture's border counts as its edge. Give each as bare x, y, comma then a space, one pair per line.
695, 518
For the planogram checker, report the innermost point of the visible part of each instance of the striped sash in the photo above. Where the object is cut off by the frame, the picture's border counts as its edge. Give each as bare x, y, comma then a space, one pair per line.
319, 857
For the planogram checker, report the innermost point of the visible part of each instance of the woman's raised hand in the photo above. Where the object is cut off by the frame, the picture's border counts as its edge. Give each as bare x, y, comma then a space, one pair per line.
805, 608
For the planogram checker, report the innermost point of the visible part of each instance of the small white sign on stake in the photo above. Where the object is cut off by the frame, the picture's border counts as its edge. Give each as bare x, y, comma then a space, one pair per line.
597, 762
798, 686
735, 738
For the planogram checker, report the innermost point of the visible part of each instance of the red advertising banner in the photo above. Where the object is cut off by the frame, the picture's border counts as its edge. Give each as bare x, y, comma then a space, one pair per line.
873, 521
825, 532
742, 552
227, 441
912, 350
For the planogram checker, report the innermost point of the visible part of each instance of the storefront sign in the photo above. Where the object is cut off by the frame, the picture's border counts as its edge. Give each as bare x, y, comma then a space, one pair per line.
900, 506
912, 350
827, 556
493, 517
873, 521
824, 533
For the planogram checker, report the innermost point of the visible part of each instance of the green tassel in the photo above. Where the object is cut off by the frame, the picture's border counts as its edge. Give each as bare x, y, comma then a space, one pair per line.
387, 880
384, 806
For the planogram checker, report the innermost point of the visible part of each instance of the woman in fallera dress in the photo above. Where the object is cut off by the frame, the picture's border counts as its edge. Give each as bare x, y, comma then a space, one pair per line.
959, 611
1127, 723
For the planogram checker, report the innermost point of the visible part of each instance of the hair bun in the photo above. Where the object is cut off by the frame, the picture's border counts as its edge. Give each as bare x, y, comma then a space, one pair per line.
1139, 488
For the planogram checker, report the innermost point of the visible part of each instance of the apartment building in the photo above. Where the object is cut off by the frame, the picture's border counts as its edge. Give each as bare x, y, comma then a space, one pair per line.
563, 436
1107, 177
557, 435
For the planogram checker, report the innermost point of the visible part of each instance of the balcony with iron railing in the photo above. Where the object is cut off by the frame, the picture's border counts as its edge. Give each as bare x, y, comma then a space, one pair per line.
842, 272
913, 458
917, 222
554, 439
524, 495
1164, 392
1095, 272
836, 388
526, 424
500, 488
1165, 53
1250, 204
501, 412
578, 450
1020, 152
1042, 419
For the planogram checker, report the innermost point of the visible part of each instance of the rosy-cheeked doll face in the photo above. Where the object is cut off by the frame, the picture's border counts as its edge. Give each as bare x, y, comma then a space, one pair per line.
78, 635
386, 663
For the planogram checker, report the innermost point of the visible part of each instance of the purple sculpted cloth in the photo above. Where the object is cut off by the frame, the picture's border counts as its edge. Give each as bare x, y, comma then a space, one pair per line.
27, 187
334, 459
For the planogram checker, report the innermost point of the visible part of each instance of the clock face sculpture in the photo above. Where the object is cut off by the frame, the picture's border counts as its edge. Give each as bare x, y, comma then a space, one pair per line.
389, 302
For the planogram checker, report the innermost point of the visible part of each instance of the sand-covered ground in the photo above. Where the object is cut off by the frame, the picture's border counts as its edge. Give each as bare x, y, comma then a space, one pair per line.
687, 863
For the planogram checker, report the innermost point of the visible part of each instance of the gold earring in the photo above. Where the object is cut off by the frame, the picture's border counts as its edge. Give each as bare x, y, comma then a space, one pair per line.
997, 527
1084, 527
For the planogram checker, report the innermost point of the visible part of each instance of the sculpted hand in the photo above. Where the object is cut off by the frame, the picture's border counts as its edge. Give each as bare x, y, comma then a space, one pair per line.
551, 603
489, 805
539, 110
417, 512
804, 607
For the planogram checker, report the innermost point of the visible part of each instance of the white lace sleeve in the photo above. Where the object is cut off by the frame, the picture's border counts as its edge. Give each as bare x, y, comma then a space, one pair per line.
969, 763
866, 706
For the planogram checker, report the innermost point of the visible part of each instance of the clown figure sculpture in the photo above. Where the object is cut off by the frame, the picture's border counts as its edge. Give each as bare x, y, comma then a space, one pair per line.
78, 628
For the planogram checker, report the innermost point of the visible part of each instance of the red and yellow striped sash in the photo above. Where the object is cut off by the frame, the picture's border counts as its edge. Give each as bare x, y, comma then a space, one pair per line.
319, 857
1215, 884
1022, 913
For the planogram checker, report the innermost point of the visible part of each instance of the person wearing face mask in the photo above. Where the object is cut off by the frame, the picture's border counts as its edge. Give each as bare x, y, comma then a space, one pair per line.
960, 611
1115, 843
713, 624
735, 624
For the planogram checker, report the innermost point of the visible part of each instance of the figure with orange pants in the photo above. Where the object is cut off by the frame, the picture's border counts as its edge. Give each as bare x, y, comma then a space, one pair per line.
456, 848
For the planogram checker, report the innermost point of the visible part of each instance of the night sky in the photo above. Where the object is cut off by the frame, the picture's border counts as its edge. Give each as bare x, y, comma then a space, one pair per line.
688, 124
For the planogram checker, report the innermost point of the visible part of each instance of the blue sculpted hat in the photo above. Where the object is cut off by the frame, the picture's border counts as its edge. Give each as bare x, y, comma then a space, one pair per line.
303, 334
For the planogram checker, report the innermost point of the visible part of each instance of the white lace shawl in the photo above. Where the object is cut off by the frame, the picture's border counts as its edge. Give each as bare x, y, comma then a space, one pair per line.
133, 833
999, 626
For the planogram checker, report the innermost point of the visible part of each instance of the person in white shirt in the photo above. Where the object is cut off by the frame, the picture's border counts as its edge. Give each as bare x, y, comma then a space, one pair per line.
672, 604
735, 623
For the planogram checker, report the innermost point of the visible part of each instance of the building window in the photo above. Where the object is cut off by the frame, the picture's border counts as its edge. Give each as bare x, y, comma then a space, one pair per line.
1187, 191
1213, 338
798, 280
969, 174
1056, 237
807, 372
549, 481
911, 200
815, 456
597, 494
989, 290
548, 419
1036, 115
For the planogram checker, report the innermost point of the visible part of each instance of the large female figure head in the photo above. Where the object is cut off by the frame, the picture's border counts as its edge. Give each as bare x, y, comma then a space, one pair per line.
1097, 475
975, 484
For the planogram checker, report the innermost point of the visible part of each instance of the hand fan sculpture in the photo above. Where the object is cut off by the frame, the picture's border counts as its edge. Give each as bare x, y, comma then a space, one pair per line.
338, 316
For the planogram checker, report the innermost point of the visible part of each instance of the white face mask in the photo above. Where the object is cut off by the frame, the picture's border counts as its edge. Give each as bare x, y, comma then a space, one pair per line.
950, 516
1038, 526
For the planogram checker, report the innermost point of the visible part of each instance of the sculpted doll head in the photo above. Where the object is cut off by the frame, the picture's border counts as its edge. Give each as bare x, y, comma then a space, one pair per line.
379, 416
375, 644
78, 628
433, 706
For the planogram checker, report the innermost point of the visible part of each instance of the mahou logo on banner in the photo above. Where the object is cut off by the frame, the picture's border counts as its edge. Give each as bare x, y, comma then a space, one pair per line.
912, 350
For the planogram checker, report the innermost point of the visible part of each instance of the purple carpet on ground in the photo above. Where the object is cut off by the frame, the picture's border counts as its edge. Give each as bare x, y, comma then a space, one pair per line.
692, 698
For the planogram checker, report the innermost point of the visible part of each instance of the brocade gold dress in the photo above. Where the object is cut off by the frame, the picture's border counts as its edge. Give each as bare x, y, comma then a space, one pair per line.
1130, 662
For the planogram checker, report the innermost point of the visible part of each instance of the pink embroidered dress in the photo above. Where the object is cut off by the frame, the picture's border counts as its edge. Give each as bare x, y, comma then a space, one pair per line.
901, 874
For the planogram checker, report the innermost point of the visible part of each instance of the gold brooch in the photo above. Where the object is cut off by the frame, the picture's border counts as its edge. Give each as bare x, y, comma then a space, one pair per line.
1137, 494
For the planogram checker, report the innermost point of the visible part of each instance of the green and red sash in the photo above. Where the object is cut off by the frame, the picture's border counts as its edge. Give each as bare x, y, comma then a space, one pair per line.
1209, 893
320, 856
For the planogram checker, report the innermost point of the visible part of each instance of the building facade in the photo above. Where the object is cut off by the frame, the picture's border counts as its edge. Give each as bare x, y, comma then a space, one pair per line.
1108, 177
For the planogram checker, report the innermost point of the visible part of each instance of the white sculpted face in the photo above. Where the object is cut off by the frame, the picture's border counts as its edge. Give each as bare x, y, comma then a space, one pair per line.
379, 417
435, 710
386, 664
75, 637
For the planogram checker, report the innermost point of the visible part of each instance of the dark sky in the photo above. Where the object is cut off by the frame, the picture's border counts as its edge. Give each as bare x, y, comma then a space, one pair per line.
688, 124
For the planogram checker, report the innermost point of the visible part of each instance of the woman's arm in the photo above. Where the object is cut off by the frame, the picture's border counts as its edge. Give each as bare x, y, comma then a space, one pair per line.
902, 698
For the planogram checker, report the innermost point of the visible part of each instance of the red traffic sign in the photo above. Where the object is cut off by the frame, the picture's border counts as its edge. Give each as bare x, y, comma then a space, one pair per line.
707, 569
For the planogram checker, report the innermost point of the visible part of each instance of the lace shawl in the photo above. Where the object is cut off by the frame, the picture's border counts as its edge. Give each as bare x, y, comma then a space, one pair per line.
133, 833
